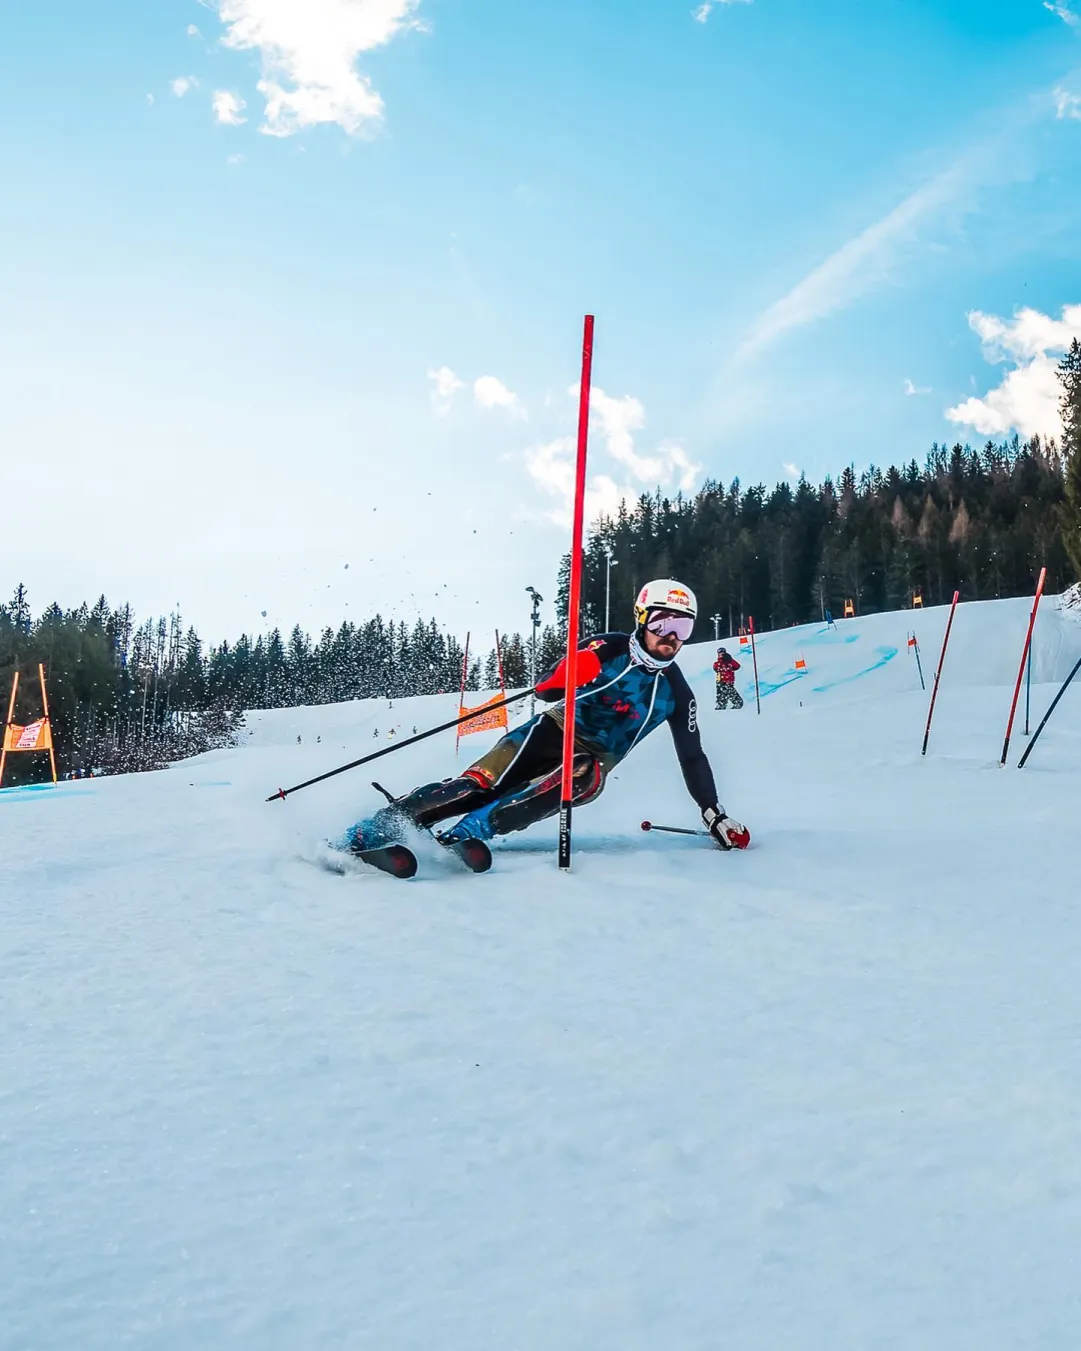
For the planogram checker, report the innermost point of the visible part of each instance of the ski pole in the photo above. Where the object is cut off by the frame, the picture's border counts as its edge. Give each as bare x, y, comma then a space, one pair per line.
283, 793
938, 673
1047, 716
673, 830
1021, 669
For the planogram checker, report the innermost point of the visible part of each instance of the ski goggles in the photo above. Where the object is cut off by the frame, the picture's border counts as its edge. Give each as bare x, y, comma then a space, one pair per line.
671, 626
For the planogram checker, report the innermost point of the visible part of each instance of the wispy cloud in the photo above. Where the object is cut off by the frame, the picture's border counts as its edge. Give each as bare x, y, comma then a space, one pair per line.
309, 53
614, 422
1027, 398
488, 392
193, 32
1067, 105
183, 85
445, 385
861, 263
229, 108
1064, 12
911, 389
704, 10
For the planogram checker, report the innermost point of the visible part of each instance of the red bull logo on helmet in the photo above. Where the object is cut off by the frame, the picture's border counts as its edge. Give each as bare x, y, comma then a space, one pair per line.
678, 597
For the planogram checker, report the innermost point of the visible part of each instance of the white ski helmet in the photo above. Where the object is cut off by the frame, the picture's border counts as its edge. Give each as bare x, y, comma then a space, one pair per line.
665, 594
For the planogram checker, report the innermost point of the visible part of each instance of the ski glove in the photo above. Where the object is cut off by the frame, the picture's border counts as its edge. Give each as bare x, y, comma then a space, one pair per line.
586, 671
729, 834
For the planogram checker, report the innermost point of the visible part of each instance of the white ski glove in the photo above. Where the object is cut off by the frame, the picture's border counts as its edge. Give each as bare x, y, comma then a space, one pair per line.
729, 834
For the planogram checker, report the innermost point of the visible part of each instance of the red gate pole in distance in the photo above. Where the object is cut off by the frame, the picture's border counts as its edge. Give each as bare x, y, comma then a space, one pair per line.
1021, 669
938, 673
574, 601
754, 658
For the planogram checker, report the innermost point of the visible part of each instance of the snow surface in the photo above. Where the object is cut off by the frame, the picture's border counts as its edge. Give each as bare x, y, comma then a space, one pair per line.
824, 1094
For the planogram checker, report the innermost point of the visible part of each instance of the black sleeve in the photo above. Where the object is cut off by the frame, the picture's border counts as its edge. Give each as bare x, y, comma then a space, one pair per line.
606, 646
683, 721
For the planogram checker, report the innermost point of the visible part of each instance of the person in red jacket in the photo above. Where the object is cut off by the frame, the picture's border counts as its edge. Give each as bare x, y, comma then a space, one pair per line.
726, 667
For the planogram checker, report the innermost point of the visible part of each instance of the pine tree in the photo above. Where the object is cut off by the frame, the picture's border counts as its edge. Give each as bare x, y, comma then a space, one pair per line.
1070, 375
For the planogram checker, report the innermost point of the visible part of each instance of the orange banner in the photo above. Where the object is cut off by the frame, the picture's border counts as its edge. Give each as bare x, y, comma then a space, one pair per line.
496, 720
34, 737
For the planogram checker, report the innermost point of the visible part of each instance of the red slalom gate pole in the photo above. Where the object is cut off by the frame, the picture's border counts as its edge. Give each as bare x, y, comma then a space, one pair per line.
574, 602
1021, 669
754, 659
938, 673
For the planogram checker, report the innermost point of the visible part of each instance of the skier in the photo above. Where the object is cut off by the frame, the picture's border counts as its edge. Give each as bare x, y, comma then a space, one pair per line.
726, 667
628, 684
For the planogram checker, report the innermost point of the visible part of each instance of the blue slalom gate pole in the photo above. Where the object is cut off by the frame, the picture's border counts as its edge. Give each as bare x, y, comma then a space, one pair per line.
1047, 716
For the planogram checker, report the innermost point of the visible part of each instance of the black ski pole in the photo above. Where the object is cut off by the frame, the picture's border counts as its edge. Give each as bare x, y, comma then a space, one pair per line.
673, 830
1047, 715
283, 793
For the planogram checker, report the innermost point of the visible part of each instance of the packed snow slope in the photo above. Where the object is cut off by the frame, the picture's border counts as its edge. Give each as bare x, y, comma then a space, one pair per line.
824, 1094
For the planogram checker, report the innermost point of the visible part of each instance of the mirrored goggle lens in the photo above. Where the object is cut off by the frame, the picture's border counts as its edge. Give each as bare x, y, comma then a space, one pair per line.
678, 626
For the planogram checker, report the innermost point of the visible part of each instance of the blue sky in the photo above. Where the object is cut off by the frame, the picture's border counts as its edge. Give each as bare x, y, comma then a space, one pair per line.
290, 285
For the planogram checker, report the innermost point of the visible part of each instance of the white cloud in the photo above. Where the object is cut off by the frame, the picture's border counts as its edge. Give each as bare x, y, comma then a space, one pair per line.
193, 32
229, 108
791, 470
617, 420
551, 466
1064, 12
492, 393
234, 159
447, 385
704, 10
1027, 399
1067, 105
613, 421
150, 100
911, 389
309, 53
183, 85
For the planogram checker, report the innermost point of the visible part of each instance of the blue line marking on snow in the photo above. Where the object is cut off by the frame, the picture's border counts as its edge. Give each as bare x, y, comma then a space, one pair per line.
886, 655
768, 687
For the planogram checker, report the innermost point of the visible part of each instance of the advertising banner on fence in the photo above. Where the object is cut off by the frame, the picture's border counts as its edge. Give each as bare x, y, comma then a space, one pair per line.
496, 720
34, 737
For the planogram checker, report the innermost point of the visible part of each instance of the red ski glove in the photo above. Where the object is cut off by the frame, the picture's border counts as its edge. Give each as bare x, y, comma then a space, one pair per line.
729, 834
588, 668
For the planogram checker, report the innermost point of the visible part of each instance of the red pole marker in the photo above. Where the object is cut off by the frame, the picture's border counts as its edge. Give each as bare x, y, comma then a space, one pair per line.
574, 599
1024, 658
938, 673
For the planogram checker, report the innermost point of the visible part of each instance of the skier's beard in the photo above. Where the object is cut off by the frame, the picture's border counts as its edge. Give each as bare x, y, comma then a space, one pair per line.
641, 657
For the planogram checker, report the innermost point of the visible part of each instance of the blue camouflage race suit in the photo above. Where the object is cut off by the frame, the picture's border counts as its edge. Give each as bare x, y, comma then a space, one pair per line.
625, 703
518, 782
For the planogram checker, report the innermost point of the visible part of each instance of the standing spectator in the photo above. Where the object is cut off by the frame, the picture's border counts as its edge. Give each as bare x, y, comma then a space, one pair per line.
726, 667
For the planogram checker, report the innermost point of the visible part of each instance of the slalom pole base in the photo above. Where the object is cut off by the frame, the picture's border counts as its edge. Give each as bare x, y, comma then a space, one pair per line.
565, 836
